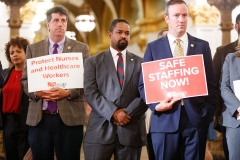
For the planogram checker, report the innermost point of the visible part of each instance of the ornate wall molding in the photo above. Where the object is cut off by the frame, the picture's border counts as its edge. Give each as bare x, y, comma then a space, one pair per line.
14, 2
147, 25
27, 11
204, 15
225, 7
224, 4
14, 21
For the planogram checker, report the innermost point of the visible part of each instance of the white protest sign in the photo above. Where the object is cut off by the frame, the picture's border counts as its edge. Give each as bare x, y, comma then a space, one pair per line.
58, 70
236, 86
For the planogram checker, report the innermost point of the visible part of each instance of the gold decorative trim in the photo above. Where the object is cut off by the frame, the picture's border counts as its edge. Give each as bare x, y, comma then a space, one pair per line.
147, 25
152, 24
204, 15
27, 11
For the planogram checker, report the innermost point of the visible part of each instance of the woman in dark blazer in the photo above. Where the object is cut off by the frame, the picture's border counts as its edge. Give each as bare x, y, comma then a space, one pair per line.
14, 102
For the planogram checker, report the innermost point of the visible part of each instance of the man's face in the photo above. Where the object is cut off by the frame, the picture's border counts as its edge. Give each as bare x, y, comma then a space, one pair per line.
120, 36
177, 19
57, 26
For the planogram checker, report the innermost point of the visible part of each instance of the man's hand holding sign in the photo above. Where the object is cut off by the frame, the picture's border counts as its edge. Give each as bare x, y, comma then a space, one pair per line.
53, 80
189, 76
53, 94
172, 79
55, 73
166, 104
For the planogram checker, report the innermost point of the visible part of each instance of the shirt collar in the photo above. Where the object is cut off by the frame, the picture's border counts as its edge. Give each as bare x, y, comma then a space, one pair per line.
60, 43
171, 38
114, 52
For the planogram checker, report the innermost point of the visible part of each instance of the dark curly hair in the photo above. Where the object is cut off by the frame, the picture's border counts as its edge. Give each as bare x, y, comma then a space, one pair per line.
16, 41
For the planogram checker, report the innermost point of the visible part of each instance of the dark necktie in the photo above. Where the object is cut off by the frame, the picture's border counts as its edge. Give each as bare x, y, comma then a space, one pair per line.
120, 69
52, 106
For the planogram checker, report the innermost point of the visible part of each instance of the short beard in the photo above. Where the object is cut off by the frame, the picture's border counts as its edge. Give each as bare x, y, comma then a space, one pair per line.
122, 46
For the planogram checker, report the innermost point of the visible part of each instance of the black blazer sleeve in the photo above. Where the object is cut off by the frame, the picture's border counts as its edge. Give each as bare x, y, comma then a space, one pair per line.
1, 76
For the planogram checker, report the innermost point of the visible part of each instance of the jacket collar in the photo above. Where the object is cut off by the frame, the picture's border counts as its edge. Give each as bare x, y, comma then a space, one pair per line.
129, 67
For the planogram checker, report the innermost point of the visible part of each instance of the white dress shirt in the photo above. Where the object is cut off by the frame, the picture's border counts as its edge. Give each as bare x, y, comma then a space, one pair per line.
184, 42
115, 57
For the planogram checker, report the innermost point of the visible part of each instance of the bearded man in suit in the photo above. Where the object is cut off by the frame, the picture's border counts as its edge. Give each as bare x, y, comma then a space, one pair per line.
180, 125
116, 124
61, 129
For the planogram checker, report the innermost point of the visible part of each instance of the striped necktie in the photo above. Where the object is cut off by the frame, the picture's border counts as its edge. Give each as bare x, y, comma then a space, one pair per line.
120, 69
52, 106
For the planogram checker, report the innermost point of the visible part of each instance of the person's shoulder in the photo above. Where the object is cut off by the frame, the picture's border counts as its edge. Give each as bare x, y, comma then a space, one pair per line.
157, 41
135, 56
76, 42
227, 46
233, 55
198, 40
98, 55
39, 42
6, 71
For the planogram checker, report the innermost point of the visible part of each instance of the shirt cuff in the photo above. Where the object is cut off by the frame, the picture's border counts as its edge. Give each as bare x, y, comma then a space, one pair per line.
69, 97
36, 97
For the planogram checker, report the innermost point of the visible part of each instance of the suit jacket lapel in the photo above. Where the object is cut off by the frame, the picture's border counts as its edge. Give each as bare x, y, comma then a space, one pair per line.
238, 62
233, 49
166, 48
45, 48
108, 61
191, 45
66, 49
67, 46
130, 63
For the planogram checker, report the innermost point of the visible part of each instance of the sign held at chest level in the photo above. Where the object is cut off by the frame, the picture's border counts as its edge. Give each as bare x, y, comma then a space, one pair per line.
179, 77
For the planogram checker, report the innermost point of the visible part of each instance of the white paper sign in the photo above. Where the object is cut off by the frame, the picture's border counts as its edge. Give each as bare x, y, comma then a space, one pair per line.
58, 70
236, 84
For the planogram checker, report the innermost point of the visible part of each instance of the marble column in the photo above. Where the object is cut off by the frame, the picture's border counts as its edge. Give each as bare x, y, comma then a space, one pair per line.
203, 26
225, 7
15, 19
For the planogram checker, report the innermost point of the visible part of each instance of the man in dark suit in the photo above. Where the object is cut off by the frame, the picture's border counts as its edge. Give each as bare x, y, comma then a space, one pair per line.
218, 61
60, 129
116, 124
180, 125
150, 151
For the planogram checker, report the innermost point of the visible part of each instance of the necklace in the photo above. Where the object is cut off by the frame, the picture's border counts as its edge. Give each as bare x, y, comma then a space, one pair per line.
18, 74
